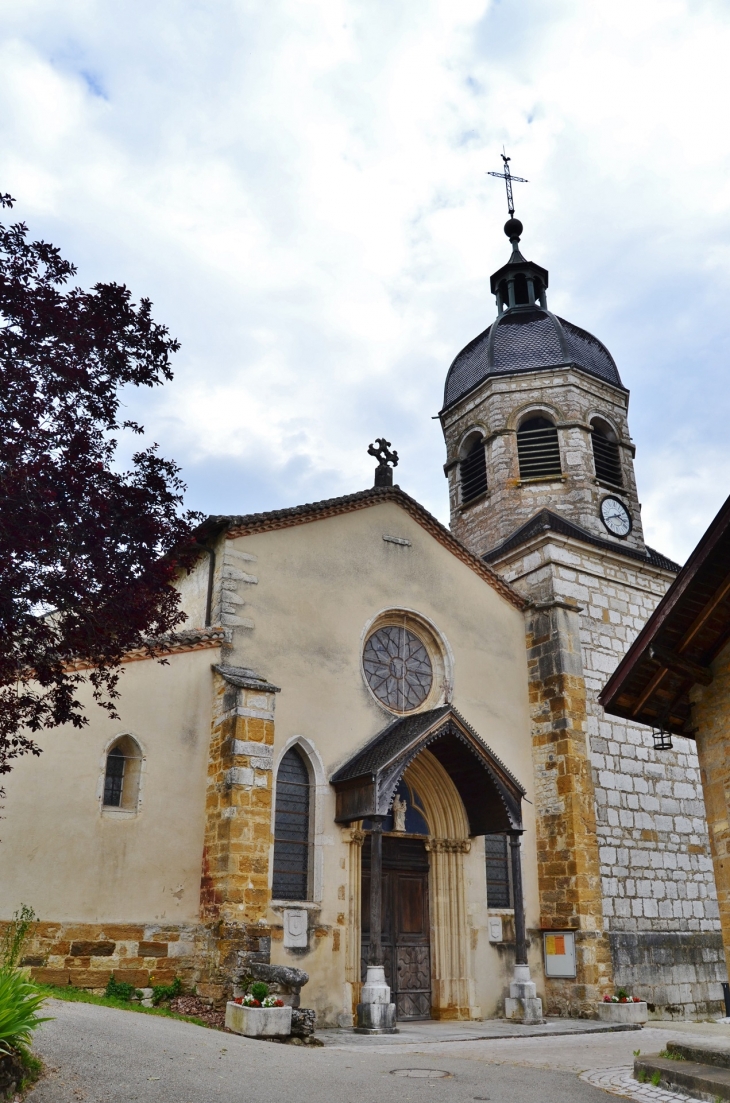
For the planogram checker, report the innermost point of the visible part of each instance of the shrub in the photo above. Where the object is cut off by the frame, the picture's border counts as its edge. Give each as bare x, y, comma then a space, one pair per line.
162, 992
119, 989
20, 1001
15, 936
259, 990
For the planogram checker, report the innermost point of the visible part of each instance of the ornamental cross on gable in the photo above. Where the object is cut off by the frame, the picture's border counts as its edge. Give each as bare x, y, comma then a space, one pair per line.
382, 453
508, 181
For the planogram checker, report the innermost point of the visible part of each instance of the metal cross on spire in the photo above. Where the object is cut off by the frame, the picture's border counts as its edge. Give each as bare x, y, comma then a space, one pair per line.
508, 179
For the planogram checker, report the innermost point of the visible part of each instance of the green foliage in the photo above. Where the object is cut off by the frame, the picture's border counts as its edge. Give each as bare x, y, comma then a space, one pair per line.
20, 1001
641, 1076
162, 992
32, 1068
79, 995
16, 933
119, 989
622, 993
656, 1077
637, 1052
259, 990
671, 1056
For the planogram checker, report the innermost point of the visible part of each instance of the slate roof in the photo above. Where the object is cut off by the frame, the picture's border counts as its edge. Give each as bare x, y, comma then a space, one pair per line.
388, 744
523, 340
546, 520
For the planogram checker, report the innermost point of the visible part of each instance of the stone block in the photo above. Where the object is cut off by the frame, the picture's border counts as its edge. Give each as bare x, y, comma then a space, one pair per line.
137, 977
92, 949
152, 949
90, 978
58, 977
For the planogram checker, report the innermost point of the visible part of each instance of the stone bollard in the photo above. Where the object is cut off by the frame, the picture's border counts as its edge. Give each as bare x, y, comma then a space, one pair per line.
523, 1004
375, 1012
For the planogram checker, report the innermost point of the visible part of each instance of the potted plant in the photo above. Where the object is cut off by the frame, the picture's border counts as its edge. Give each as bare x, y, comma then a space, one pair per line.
622, 1008
257, 1014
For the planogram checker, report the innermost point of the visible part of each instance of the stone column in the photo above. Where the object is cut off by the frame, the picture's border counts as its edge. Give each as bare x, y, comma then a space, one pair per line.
523, 1003
447, 902
375, 1012
569, 879
234, 887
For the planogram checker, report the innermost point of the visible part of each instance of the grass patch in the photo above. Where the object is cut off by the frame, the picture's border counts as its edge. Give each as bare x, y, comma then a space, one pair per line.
672, 1056
80, 995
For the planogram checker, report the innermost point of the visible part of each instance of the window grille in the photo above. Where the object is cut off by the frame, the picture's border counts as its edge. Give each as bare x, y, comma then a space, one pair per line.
606, 457
114, 779
473, 472
499, 894
538, 449
291, 829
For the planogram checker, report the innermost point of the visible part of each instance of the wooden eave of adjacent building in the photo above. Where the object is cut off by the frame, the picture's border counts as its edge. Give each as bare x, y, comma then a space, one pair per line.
676, 648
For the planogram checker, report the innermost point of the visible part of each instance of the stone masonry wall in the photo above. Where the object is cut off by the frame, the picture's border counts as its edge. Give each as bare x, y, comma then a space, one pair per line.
567, 853
494, 410
655, 862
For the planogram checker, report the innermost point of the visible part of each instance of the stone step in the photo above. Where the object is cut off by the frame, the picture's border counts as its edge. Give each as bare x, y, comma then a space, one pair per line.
704, 1054
695, 1078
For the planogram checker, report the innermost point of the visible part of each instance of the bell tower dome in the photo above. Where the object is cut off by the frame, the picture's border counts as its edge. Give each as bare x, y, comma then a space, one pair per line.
535, 419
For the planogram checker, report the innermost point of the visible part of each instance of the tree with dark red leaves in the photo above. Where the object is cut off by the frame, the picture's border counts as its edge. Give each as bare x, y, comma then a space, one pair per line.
87, 552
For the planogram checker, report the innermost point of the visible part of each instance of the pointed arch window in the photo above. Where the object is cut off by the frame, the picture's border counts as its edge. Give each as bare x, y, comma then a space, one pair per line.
606, 454
292, 829
122, 774
538, 449
473, 472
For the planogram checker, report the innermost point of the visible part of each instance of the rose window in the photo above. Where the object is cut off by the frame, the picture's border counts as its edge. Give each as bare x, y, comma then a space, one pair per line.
398, 668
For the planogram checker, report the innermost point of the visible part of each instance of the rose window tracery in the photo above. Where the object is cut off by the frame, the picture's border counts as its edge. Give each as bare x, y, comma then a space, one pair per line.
398, 668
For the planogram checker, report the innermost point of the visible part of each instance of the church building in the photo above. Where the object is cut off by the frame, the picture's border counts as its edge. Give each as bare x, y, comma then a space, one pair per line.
377, 751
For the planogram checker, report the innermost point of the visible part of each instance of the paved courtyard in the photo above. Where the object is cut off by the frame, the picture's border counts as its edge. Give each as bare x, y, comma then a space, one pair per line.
101, 1055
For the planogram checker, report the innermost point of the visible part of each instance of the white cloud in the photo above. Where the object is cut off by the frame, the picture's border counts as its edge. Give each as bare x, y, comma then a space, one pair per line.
301, 189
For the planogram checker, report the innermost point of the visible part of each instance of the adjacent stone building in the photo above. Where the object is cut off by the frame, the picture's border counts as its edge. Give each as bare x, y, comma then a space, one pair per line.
676, 677
542, 487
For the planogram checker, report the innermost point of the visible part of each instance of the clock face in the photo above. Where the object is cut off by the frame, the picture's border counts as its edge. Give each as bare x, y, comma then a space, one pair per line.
615, 517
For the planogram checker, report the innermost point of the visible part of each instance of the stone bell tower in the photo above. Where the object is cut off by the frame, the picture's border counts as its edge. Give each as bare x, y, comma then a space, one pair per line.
541, 481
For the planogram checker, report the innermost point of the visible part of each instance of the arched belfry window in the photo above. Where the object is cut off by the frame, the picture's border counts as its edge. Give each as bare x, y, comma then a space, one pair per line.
473, 471
122, 774
538, 449
292, 833
606, 455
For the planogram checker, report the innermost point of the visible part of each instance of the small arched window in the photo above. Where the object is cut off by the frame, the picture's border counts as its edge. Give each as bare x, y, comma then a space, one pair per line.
292, 833
606, 455
122, 774
538, 449
473, 472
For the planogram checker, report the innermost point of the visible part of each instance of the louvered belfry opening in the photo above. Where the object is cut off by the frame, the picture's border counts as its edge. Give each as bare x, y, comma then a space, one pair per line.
291, 829
473, 472
538, 449
606, 456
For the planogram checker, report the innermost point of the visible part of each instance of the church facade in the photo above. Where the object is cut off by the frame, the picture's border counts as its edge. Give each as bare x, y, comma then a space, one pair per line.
357, 688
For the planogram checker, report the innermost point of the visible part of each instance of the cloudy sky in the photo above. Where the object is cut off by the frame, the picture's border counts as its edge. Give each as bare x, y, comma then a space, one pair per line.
300, 186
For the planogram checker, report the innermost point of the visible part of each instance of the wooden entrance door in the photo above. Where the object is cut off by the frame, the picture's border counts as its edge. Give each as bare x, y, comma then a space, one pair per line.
405, 924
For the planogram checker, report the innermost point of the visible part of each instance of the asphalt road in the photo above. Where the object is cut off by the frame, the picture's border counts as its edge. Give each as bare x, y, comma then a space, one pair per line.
101, 1055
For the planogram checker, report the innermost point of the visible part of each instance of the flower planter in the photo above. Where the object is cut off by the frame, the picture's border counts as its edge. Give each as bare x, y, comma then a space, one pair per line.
258, 1022
622, 1012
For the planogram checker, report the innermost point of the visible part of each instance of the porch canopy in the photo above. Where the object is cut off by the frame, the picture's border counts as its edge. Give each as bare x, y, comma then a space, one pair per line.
492, 796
